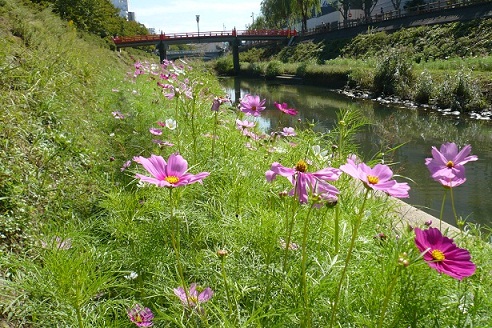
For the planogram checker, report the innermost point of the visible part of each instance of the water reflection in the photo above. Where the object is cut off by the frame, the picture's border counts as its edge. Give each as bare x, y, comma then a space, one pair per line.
391, 126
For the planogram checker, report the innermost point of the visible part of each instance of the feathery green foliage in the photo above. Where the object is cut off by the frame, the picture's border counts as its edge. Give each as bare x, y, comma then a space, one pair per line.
75, 225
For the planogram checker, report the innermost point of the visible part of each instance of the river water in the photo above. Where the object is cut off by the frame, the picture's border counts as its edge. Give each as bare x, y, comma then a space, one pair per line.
417, 129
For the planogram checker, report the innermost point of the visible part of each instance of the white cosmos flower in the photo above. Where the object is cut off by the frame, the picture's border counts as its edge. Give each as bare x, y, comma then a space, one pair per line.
171, 124
132, 275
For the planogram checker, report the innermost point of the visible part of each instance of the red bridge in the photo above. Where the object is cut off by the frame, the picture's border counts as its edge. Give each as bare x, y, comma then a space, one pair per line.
214, 36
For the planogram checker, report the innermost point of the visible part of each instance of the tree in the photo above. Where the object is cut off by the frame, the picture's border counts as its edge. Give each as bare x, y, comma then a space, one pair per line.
277, 13
304, 9
344, 6
396, 4
94, 16
413, 5
281, 13
259, 24
368, 6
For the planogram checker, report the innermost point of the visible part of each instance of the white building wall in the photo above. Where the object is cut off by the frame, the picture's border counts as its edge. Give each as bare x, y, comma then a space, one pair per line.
122, 5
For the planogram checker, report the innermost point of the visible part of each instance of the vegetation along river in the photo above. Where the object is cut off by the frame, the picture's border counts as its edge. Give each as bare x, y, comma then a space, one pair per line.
418, 129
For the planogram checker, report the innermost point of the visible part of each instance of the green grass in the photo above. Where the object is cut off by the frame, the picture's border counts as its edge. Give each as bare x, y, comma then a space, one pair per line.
62, 152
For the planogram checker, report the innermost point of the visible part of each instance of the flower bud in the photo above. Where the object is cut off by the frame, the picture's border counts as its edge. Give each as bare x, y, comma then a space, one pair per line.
222, 253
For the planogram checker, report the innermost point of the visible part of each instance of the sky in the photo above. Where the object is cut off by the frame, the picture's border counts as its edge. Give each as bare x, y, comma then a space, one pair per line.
178, 16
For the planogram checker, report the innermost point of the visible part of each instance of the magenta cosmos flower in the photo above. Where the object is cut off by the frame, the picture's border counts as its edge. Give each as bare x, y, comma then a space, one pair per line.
443, 255
447, 164
304, 181
252, 105
283, 107
377, 178
194, 298
140, 316
168, 174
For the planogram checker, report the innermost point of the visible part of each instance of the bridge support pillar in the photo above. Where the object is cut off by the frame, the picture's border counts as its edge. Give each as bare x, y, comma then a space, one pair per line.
235, 55
162, 51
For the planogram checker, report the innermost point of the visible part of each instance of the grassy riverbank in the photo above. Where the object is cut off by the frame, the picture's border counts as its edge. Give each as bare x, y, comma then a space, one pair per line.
445, 65
84, 240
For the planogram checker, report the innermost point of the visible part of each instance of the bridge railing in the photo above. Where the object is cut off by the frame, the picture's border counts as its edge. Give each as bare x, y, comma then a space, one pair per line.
286, 33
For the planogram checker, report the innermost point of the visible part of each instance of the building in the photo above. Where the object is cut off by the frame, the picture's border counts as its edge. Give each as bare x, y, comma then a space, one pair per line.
122, 5
331, 16
131, 16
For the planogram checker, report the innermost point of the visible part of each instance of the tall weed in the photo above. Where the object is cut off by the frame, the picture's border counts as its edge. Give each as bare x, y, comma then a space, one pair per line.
393, 75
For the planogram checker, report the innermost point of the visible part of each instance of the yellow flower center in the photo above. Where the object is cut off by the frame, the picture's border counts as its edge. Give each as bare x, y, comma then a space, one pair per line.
372, 179
138, 318
172, 179
301, 166
193, 300
450, 164
438, 255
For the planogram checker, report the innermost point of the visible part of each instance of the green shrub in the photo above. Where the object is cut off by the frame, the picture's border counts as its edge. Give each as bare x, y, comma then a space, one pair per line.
301, 52
459, 92
252, 55
273, 69
224, 65
423, 88
393, 75
301, 69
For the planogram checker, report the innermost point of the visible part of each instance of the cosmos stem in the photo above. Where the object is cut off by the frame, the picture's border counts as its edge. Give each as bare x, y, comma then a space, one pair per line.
289, 227
387, 297
307, 311
355, 232
175, 239
442, 208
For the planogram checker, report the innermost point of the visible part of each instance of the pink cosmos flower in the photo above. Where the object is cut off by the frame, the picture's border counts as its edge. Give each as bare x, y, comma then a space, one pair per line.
252, 105
288, 132
162, 143
194, 298
325, 196
291, 247
447, 164
251, 134
139, 69
161, 124
155, 131
285, 108
217, 102
125, 165
140, 316
240, 125
304, 181
377, 178
168, 174
118, 115
443, 255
